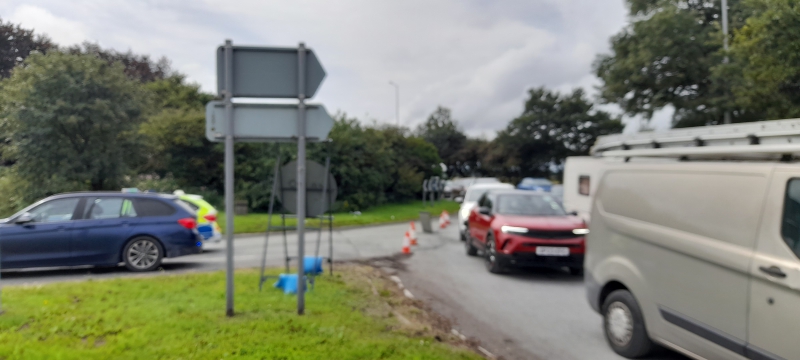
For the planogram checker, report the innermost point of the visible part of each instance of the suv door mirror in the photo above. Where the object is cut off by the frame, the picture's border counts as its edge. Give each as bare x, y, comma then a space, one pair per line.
485, 210
573, 213
24, 219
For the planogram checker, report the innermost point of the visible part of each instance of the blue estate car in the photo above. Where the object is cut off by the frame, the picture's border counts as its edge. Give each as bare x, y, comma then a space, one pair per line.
99, 228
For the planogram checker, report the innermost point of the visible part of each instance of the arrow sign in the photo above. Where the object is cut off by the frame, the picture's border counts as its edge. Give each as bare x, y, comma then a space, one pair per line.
266, 122
268, 72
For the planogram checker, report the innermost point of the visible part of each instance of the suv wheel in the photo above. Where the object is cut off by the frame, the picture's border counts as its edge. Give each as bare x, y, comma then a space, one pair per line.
490, 256
142, 254
623, 325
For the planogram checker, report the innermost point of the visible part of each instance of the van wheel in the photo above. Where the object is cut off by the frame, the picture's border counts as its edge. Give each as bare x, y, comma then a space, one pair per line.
142, 254
623, 325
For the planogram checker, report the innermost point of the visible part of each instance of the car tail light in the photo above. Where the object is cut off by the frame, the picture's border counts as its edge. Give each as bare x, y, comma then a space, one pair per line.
188, 223
211, 217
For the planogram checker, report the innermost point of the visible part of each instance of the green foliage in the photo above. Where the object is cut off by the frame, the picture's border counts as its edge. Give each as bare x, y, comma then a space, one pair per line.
551, 127
666, 57
72, 122
182, 317
16, 44
373, 165
442, 131
765, 71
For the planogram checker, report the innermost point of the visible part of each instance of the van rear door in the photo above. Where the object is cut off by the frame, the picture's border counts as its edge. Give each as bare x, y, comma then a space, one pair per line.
774, 317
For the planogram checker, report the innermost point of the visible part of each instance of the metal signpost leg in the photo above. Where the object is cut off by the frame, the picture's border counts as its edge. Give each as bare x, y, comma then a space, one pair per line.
301, 177
229, 209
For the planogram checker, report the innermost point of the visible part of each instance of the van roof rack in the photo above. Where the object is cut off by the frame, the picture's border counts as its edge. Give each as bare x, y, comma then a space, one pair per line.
770, 140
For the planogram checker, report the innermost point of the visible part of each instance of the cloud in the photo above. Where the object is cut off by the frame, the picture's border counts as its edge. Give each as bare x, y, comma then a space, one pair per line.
477, 57
61, 30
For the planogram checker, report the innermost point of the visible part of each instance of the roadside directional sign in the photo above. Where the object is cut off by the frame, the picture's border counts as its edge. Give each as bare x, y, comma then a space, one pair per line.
266, 122
269, 72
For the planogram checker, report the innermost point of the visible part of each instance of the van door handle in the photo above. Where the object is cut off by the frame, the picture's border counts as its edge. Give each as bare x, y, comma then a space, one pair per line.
773, 271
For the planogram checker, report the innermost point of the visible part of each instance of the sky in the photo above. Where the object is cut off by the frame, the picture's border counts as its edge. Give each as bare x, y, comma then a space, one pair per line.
476, 57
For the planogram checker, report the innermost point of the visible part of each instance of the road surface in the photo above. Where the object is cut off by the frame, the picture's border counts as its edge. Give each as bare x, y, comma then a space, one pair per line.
535, 314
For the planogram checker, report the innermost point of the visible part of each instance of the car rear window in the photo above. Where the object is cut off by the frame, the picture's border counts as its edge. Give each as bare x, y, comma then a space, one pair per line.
188, 206
152, 207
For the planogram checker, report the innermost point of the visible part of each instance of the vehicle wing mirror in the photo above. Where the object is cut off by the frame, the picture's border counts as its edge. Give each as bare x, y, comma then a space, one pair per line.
485, 210
573, 213
24, 219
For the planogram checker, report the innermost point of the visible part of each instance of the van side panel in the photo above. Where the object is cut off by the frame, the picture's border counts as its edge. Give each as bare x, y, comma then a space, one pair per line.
680, 237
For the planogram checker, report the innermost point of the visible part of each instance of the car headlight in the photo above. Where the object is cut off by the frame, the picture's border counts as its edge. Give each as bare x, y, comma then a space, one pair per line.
580, 231
513, 229
465, 213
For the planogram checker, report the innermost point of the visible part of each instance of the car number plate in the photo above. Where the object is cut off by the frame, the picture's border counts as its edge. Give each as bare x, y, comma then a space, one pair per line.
552, 251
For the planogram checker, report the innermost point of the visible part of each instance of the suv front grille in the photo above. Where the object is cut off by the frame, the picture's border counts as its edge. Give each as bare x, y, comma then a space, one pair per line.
550, 234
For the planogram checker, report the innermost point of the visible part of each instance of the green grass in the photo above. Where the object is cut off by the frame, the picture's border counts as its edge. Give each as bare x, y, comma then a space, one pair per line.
254, 223
182, 317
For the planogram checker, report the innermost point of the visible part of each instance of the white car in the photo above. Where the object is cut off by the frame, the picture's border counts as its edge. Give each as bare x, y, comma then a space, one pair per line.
474, 193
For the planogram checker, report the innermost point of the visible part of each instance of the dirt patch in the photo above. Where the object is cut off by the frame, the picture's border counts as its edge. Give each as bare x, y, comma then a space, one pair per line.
413, 315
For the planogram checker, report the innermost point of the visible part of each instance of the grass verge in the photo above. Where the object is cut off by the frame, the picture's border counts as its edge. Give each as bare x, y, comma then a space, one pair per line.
356, 314
254, 223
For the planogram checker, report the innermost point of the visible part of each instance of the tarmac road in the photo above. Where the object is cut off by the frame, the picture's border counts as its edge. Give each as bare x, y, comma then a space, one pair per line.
535, 314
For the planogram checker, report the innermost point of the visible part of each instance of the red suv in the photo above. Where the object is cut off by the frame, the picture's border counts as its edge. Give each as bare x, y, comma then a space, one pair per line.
519, 228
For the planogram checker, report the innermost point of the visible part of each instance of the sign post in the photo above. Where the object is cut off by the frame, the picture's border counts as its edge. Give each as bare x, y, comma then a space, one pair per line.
266, 72
229, 210
301, 177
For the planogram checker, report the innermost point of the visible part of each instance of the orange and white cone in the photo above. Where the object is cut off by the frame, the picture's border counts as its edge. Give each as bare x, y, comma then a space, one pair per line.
406, 244
446, 216
443, 221
412, 234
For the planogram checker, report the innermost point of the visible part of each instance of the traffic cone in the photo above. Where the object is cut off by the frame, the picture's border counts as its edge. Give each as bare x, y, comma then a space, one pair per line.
406, 244
446, 216
442, 221
412, 234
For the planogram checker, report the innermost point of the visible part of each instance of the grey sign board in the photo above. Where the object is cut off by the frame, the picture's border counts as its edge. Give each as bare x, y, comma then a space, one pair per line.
316, 202
269, 72
266, 122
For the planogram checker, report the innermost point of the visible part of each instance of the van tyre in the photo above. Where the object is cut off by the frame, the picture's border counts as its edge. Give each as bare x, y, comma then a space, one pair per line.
142, 253
624, 327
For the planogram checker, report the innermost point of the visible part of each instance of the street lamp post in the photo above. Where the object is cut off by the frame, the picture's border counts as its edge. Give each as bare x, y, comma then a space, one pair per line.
727, 118
396, 102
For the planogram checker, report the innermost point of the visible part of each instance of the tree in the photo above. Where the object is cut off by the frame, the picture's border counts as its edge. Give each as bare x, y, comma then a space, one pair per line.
666, 57
550, 128
442, 131
765, 70
72, 122
16, 44
138, 67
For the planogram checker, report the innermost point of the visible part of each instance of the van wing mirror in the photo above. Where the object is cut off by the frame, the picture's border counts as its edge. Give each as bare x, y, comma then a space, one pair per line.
24, 219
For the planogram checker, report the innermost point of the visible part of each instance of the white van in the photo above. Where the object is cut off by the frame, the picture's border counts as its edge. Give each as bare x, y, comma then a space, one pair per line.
698, 249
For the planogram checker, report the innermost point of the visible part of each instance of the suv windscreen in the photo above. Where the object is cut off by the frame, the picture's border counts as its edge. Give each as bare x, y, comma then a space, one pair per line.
531, 205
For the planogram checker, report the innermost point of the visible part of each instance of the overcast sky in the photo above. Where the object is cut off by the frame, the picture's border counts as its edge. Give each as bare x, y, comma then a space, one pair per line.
477, 57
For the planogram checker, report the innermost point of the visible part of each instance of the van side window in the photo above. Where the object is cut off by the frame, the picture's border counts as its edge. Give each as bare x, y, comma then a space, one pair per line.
583, 185
790, 227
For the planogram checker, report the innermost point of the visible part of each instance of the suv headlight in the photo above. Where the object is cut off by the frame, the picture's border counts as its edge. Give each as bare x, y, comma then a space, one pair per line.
513, 229
580, 231
465, 213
